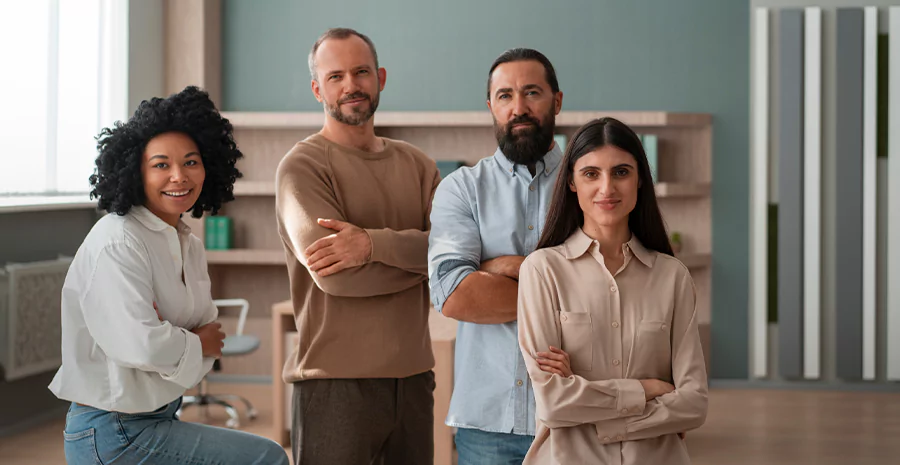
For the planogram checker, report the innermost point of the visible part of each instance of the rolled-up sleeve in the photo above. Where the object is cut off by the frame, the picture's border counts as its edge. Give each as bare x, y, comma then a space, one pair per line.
454, 245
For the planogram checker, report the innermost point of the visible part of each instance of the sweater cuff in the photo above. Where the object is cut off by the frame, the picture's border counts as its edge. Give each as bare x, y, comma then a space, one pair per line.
378, 238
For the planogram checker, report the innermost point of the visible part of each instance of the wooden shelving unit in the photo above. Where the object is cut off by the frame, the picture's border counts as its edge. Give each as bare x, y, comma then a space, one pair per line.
248, 188
255, 268
663, 189
441, 119
277, 257
245, 257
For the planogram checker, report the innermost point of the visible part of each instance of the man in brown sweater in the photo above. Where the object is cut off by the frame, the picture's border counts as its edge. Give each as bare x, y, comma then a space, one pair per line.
353, 214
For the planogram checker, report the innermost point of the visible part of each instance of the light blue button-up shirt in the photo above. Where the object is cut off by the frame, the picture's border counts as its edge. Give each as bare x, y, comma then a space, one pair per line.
493, 209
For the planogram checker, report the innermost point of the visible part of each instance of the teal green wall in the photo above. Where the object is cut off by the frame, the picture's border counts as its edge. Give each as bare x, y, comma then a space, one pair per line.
686, 55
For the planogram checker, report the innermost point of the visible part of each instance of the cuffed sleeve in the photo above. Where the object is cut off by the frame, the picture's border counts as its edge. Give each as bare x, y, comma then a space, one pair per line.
190, 369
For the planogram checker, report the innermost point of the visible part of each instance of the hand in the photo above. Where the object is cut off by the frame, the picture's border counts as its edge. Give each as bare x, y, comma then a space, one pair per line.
211, 339
350, 247
654, 388
156, 309
556, 361
506, 265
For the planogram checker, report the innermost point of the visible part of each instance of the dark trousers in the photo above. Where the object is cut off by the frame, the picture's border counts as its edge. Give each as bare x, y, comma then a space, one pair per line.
364, 421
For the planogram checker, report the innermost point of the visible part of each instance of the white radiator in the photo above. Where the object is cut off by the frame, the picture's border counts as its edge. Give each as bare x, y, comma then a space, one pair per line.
30, 317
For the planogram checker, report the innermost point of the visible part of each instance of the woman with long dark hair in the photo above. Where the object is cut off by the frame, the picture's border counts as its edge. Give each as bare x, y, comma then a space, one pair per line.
606, 315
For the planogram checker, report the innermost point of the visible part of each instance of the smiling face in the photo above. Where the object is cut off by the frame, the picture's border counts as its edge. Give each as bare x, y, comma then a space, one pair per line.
347, 82
173, 175
606, 182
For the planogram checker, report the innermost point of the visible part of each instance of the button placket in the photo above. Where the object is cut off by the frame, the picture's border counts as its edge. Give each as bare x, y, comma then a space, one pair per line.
616, 300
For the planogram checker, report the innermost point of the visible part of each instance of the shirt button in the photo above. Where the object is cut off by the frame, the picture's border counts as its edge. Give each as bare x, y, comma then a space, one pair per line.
606, 438
612, 289
531, 188
663, 327
519, 382
530, 227
616, 362
564, 317
615, 324
619, 437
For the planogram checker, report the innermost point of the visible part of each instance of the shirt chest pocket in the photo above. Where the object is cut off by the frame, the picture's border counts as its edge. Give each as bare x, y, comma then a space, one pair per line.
577, 339
653, 350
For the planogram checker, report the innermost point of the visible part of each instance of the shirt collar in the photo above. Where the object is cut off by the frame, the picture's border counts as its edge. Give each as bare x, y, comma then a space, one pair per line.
579, 243
155, 223
548, 164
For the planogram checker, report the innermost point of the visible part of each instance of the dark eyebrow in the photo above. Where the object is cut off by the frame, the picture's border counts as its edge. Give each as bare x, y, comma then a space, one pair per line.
504, 90
621, 165
164, 157
532, 86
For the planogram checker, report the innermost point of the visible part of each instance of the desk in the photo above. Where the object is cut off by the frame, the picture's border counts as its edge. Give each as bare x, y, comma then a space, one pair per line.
443, 339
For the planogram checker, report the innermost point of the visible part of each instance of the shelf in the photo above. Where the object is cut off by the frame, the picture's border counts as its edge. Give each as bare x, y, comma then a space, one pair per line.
695, 260
245, 257
314, 120
254, 187
672, 190
276, 257
663, 189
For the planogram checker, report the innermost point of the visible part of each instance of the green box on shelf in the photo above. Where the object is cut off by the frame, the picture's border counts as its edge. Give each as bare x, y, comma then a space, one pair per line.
218, 233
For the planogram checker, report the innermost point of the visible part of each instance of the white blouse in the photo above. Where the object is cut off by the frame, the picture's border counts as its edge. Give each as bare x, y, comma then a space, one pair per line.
116, 353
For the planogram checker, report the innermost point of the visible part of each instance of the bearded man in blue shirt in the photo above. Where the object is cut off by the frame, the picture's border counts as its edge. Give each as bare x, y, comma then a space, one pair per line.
484, 220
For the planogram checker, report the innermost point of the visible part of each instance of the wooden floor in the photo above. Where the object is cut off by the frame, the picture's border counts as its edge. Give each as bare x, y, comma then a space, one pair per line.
743, 428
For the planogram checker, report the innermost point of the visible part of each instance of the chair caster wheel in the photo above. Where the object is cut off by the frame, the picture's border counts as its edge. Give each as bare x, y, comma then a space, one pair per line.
252, 413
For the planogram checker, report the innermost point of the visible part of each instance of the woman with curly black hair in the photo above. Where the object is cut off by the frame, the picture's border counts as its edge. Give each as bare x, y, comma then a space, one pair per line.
138, 321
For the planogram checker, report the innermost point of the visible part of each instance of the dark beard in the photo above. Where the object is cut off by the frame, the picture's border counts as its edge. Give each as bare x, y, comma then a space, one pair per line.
527, 146
356, 118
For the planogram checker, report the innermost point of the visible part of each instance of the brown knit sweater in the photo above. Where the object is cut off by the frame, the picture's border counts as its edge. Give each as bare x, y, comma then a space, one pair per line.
370, 321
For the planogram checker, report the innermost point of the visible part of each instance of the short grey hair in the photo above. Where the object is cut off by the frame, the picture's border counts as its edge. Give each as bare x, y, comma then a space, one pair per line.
337, 33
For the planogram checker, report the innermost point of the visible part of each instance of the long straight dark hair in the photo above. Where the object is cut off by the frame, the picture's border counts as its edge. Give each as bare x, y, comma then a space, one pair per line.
565, 215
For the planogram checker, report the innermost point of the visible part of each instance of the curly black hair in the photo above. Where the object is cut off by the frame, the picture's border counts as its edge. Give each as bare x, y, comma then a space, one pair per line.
117, 181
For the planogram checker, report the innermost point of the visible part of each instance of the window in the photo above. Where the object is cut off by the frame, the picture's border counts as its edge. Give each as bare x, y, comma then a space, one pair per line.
64, 79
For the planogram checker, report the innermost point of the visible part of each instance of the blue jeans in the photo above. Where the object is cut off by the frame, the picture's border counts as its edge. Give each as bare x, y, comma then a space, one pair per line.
476, 447
98, 437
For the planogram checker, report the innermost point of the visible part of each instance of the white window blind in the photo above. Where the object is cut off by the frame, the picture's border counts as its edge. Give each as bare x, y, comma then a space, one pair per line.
65, 78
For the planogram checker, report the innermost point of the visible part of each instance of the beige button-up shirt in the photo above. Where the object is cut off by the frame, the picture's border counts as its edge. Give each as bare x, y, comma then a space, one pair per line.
638, 323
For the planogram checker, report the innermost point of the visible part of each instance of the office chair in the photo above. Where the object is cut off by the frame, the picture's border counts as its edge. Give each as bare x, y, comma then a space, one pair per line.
235, 344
